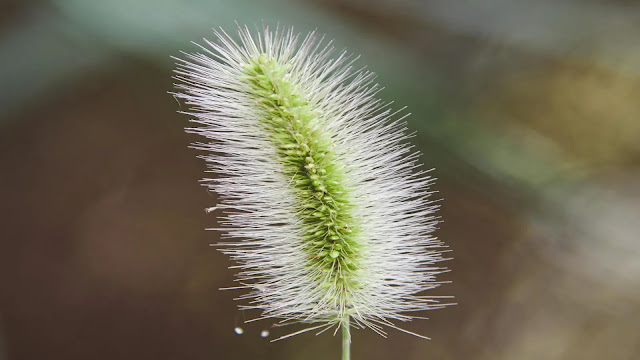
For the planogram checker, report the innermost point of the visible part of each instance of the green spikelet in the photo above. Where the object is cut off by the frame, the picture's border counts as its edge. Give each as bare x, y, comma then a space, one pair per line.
307, 157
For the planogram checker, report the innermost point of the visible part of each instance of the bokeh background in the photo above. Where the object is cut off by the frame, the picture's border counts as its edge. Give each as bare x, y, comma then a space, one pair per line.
528, 110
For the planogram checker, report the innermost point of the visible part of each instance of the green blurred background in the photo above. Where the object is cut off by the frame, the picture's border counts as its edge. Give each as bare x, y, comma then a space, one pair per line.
528, 110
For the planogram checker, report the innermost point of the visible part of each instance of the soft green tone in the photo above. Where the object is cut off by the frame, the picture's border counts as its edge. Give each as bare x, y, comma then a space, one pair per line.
307, 157
346, 340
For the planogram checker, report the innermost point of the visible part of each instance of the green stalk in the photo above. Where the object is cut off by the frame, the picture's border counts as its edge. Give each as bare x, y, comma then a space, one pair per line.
346, 340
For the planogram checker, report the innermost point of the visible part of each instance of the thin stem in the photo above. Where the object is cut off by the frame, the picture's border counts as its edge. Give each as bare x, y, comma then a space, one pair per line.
346, 340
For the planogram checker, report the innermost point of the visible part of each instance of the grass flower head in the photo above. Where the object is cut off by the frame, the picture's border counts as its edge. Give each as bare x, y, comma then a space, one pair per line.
324, 202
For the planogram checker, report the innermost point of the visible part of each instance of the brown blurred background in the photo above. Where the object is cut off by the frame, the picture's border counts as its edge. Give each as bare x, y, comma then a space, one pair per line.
528, 110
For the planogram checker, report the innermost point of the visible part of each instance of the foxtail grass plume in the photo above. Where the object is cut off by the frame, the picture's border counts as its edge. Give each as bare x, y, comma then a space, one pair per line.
324, 202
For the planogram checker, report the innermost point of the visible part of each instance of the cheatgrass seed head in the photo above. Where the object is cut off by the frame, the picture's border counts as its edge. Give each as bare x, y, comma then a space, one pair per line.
323, 200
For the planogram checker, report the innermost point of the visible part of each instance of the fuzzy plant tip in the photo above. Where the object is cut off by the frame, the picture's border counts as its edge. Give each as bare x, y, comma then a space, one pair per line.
322, 202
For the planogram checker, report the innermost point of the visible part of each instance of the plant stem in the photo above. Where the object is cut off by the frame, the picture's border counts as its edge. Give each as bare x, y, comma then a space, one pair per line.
346, 340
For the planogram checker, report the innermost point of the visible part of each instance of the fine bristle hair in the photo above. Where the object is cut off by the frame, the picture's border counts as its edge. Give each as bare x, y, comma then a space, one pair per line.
322, 202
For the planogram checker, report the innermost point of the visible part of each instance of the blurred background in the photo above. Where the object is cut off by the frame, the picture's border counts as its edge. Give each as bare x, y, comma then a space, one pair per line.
528, 110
